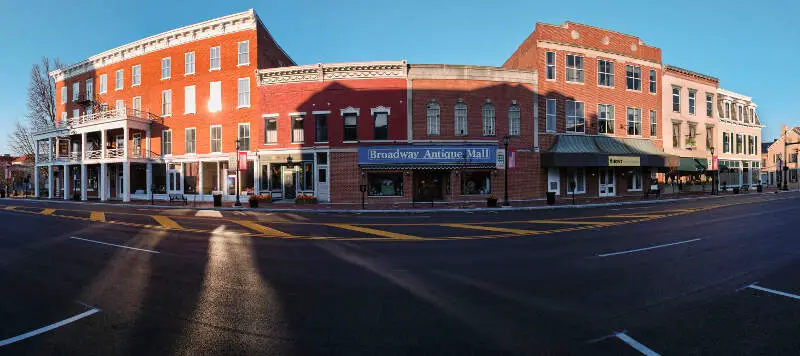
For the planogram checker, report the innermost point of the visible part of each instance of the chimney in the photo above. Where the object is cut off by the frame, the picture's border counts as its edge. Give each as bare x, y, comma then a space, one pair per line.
783, 129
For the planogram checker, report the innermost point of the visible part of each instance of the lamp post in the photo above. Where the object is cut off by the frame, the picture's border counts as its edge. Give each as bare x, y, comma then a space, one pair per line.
713, 174
238, 203
506, 140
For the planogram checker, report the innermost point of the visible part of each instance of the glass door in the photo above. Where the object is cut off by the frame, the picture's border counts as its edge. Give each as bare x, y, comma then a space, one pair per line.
173, 181
607, 183
289, 183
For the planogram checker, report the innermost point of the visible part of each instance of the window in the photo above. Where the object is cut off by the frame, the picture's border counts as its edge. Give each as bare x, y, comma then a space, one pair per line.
350, 126
244, 92
676, 99
190, 140
476, 182
634, 121
692, 99
605, 73
755, 145
89, 89
574, 68
738, 144
136, 104
551, 65
488, 119
76, 112
271, 128
321, 125
244, 53
119, 80
676, 134
460, 112
216, 139
64, 94
728, 110
433, 119
215, 96
709, 105
166, 103
64, 116
166, 68
550, 115
575, 117
322, 175
103, 83
726, 143
653, 81
709, 138
385, 184
166, 142
653, 124
76, 91
513, 120
188, 66
691, 141
244, 137
380, 125
605, 118
577, 175
633, 77
635, 181
739, 113
298, 134
214, 62
189, 103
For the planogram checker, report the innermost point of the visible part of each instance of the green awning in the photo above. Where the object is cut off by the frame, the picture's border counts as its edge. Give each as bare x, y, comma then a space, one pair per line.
693, 164
596, 151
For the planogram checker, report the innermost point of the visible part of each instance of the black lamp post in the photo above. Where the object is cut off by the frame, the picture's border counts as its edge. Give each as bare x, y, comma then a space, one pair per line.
713, 174
506, 139
238, 203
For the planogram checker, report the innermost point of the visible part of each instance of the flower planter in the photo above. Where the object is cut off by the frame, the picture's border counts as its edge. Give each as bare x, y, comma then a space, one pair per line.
253, 203
492, 203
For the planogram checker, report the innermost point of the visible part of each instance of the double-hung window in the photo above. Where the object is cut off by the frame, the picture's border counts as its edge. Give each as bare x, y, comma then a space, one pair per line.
243, 93
514, 120
216, 139
166, 142
214, 61
676, 134
574, 68
653, 81
119, 79
433, 119
633, 77
692, 101
575, 118
634, 122
76, 113
460, 119
166, 103
635, 181
605, 118
321, 128
214, 96
550, 57
298, 132
738, 144
350, 121
136, 104
488, 119
191, 144
103, 83
380, 125
166, 68
76, 91
189, 102
653, 123
271, 130
709, 137
243, 53
550, 115
64, 94
89, 89
676, 99
188, 66
605, 73
244, 137
136, 73
726, 143
709, 105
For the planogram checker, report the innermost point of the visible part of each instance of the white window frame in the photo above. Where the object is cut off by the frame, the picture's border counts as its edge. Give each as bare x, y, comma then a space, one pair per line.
119, 79
633, 76
727, 113
103, 84
164, 142
653, 81
576, 172
692, 102
240, 137
239, 53
653, 123
190, 99
634, 121
575, 116
709, 104
136, 104
76, 113
267, 135
89, 88
186, 140
676, 98
739, 113
63, 116
632, 186
136, 75
460, 121
166, 102
606, 112
64, 94
433, 118
514, 120
188, 63
549, 65
488, 118
166, 68
215, 96
211, 138
76, 91
605, 68
119, 106
212, 57
298, 135
577, 70
551, 119
240, 96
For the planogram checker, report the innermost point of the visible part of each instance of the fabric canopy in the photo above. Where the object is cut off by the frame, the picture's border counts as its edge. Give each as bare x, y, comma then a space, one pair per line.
595, 151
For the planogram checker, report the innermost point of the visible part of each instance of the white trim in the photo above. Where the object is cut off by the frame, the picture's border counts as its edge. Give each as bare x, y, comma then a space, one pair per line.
211, 139
272, 115
350, 110
381, 108
299, 113
320, 112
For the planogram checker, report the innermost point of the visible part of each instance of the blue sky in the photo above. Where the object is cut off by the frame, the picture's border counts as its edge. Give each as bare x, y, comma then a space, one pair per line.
749, 47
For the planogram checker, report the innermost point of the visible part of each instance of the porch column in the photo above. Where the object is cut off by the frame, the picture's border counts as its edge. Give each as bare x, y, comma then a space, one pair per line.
256, 176
83, 147
103, 176
200, 180
50, 149
35, 169
149, 178
84, 177
103, 147
125, 143
147, 142
219, 180
50, 180
65, 173
126, 180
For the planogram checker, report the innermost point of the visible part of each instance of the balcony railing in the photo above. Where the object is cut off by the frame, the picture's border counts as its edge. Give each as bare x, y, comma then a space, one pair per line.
104, 115
137, 152
94, 154
74, 156
115, 153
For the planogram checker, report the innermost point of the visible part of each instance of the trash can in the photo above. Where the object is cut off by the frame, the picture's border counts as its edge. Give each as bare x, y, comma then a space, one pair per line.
217, 200
551, 198
759, 188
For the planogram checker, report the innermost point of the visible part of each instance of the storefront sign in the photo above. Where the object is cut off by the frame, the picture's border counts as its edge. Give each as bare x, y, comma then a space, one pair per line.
242, 161
427, 154
623, 161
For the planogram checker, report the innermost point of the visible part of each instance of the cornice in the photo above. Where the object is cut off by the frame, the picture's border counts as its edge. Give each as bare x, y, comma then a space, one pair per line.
335, 71
241, 21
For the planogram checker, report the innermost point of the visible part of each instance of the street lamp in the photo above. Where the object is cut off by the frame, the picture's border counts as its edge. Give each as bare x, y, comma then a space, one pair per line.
238, 203
713, 174
506, 139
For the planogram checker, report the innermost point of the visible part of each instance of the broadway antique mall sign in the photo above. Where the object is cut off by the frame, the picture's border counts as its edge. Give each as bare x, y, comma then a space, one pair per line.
427, 154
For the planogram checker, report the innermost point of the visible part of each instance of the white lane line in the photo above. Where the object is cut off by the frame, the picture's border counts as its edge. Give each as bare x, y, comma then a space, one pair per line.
636, 345
49, 327
647, 248
106, 243
790, 295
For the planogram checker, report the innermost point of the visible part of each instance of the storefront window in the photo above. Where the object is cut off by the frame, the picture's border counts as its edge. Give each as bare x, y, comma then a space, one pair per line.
578, 176
473, 183
190, 172
385, 184
306, 177
635, 180
275, 177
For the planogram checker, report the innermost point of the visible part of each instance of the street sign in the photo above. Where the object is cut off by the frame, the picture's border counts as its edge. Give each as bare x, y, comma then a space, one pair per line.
500, 160
242, 161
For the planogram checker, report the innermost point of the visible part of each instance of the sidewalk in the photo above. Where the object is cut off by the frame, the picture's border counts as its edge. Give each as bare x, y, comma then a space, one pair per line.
562, 202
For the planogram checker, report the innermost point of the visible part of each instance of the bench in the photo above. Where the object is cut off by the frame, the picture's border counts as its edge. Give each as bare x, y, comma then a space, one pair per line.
178, 197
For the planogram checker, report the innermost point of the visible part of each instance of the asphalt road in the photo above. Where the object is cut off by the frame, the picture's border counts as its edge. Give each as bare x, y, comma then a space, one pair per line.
703, 277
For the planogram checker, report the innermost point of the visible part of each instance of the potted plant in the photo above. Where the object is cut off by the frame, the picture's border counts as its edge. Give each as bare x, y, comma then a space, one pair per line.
305, 199
253, 200
491, 201
264, 198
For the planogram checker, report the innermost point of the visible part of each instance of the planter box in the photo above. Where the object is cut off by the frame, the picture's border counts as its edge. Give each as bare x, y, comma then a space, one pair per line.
492, 203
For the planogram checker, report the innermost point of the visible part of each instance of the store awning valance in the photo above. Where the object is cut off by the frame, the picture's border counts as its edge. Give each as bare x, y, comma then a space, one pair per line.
604, 151
693, 164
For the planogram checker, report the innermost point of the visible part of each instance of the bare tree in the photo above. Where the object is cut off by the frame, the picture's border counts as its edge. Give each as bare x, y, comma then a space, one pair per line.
20, 140
41, 105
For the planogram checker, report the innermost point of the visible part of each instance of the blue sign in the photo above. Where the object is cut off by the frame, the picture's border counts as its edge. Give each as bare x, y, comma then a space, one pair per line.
427, 154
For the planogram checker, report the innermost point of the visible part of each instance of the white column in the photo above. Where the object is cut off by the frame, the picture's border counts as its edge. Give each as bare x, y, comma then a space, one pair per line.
50, 180
219, 179
149, 179
103, 175
183, 178
103, 147
256, 176
50, 149
84, 177
200, 180
83, 149
147, 142
125, 143
35, 168
65, 173
126, 180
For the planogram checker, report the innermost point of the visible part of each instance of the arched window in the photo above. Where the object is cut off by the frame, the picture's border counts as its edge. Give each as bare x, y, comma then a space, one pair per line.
433, 119
488, 119
513, 120
460, 119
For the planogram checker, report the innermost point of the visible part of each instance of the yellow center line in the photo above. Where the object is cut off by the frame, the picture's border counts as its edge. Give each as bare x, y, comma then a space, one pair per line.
166, 222
47, 211
10, 207
261, 228
97, 216
383, 233
563, 222
493, 228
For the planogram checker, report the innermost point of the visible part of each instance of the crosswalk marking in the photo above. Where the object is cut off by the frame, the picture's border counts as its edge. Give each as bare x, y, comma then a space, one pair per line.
492, 228
97, 216
166, 222
48, 211
261, 228
208, 214
383, 233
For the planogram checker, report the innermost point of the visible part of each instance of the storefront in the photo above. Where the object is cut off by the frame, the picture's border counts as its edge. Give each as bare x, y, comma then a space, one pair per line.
735, 173
284, 176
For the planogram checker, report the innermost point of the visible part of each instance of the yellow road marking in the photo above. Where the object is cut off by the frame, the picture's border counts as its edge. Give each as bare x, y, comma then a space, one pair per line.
166, 222
493, 228
97, 216
562, 222
10, 207
261, 228
47, 211
634, 216
367, 230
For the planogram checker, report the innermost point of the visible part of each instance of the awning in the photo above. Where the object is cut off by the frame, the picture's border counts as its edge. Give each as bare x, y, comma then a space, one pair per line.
693, 164
399, 167
604, 151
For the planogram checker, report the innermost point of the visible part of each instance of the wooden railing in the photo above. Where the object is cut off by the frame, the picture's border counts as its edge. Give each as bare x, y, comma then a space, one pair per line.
115, 153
